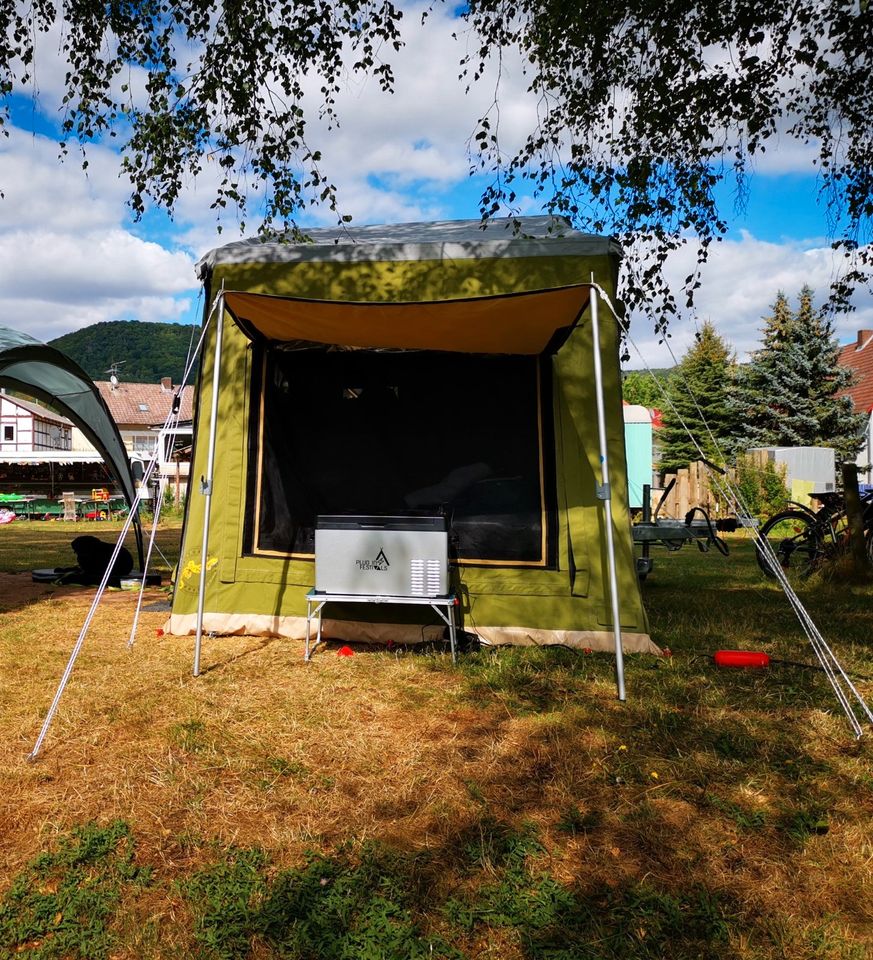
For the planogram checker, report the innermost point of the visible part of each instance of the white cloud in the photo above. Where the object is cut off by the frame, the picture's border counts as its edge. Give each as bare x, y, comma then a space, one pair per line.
398, 156
106, 264
47, 319
39, 189
66, 258
785, 154
739, 284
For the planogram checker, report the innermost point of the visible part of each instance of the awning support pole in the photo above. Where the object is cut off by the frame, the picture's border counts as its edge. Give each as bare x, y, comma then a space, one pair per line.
206, 482
604, 493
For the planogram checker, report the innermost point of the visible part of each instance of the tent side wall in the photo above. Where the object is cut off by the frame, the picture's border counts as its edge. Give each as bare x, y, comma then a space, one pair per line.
569, 604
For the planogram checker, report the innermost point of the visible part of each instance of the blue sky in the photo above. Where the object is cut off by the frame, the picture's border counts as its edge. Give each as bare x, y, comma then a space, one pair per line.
70, 254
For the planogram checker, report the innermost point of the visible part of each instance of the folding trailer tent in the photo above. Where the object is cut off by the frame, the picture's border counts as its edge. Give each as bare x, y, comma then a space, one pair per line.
417, 367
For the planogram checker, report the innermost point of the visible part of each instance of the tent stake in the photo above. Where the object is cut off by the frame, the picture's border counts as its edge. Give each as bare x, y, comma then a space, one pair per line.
604, 493
207, 481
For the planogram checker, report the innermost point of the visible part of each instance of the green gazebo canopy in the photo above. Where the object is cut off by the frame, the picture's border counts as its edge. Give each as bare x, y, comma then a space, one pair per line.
45, 373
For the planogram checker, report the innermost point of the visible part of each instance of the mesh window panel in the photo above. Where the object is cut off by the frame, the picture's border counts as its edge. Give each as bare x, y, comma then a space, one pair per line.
363, 432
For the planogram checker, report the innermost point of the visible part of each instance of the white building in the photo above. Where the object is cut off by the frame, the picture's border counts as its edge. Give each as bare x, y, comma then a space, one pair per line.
26, 427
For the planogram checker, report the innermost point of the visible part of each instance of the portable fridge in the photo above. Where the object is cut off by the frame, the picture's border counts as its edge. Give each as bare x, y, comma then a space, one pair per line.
397, 556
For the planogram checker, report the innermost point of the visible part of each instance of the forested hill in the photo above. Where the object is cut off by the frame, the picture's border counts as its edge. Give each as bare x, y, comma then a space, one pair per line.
144, 352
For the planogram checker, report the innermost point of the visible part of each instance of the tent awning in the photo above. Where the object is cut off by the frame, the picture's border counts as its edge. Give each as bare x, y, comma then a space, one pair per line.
522, 323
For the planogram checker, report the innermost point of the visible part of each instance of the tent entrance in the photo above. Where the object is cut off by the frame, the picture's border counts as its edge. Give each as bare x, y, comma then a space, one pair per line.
394, 432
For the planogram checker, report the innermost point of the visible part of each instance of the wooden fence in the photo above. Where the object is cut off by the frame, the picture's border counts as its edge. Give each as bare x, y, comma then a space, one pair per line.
695, 487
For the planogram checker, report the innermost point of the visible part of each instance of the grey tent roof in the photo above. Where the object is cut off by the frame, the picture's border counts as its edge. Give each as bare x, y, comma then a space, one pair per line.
43, 372
440, 240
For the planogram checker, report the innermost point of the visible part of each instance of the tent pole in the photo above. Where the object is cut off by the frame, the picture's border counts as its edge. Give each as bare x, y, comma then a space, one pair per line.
107, 573
604, 493
207, 482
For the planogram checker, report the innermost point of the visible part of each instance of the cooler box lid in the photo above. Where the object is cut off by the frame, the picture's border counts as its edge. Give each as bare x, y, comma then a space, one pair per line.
374, 522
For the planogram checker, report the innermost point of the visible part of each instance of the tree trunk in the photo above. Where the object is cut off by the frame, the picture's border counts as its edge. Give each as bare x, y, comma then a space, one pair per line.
855, 518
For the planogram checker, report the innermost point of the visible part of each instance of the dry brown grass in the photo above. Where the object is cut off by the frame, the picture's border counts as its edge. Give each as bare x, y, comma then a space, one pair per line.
691, 785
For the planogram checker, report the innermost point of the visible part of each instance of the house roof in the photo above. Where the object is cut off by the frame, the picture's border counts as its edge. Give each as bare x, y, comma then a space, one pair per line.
143, 404
38, 411
859, 357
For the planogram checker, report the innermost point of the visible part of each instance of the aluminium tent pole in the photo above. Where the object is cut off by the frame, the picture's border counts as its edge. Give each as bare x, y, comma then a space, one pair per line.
206, 482
71, 662
604, 492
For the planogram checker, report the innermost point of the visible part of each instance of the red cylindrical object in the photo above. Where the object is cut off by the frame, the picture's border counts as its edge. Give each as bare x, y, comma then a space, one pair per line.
740, 658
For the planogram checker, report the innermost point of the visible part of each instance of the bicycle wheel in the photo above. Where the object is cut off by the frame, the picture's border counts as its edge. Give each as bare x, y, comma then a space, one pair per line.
793, 543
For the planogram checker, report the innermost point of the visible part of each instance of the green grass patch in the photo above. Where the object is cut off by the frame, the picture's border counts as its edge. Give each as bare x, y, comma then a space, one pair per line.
553, 922
351, 906
529, 681
189, 735
744, 818
369, 902
63, 903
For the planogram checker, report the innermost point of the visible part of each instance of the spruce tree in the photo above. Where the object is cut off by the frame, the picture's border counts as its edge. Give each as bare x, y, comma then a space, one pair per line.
760, 380
699, 404
787, 395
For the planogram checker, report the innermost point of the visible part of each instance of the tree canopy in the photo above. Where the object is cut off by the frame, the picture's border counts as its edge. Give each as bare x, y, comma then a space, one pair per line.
643, 107
143, 352
645, 387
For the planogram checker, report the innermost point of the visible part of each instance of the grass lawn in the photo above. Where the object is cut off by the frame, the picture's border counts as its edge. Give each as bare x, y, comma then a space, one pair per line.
389, 805
32, 545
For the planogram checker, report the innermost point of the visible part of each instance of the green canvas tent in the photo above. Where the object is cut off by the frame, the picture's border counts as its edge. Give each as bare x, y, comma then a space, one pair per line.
385, 369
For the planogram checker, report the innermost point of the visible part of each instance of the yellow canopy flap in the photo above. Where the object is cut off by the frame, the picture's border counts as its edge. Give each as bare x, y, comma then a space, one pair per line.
521, 323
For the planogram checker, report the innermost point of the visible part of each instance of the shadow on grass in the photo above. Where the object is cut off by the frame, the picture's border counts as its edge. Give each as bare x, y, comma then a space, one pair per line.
690, 822
218, 665
489, 886
376, 902
64, 903
367, 901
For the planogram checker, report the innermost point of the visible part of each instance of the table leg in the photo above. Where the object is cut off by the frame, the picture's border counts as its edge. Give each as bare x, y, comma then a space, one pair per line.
309, 650
308, 626
452, 633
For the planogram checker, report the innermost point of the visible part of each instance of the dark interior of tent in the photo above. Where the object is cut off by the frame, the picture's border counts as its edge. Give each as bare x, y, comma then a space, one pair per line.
379, 432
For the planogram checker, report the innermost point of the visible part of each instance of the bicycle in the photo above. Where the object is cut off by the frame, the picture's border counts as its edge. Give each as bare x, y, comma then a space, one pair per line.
801, 539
